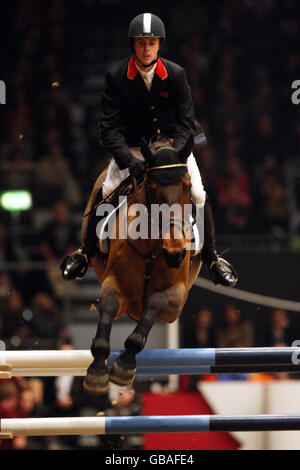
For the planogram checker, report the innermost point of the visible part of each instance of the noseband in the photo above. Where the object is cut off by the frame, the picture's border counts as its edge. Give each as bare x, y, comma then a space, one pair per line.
164, 167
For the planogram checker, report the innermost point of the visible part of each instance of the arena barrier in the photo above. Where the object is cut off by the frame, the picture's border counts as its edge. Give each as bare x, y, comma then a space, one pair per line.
145, 424
154, 362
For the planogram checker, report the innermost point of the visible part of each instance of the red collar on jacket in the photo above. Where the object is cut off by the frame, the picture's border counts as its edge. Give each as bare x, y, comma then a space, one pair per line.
160, 70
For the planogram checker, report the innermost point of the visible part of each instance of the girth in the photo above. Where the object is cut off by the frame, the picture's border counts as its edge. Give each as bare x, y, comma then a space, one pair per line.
150, 258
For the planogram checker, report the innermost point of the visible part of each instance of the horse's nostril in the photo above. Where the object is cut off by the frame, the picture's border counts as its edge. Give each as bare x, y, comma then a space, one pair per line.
183, 253
174, 260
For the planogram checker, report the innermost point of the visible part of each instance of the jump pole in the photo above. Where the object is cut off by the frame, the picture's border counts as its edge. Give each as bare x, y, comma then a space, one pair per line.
154, 362
145, 424
151, 371
156, 357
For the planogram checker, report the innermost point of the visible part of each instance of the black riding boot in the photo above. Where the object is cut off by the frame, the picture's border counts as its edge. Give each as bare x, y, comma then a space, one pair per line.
220, 270
75, 265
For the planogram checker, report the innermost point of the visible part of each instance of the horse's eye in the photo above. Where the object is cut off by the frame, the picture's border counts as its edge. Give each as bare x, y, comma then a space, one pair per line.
188, 187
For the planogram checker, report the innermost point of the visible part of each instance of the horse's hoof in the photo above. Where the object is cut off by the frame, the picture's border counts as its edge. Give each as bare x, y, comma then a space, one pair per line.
121, 375
96, 384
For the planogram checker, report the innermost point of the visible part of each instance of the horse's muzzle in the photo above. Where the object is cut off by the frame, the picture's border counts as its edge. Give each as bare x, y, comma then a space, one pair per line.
175, 259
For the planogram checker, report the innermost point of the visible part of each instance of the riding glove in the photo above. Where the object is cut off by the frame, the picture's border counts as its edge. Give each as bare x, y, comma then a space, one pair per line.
136, 167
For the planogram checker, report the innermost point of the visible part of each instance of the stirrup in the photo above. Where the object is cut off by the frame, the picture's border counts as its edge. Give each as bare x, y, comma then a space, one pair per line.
224, 269
74, 258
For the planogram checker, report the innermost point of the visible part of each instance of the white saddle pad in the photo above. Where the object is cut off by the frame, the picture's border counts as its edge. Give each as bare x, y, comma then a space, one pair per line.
103, 236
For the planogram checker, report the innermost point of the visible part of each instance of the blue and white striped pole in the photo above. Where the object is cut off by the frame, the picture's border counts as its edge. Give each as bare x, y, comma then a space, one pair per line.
154, 362
157, 357
215, 357
145, 424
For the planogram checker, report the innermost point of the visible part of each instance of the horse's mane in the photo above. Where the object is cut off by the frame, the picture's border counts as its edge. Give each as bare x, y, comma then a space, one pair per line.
165, 154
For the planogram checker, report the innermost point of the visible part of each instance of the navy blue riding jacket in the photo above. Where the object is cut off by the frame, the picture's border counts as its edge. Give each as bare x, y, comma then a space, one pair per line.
129, 112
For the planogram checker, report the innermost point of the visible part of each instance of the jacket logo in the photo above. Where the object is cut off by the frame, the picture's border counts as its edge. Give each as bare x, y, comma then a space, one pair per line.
164, 94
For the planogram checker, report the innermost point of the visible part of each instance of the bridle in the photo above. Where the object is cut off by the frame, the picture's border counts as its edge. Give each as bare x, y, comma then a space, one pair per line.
151, 257
173, 222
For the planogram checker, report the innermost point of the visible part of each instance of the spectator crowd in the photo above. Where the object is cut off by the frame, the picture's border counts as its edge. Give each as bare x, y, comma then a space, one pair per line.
230, 51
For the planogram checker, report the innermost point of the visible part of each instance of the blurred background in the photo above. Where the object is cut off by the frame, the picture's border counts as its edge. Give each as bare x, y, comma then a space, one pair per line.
241, 59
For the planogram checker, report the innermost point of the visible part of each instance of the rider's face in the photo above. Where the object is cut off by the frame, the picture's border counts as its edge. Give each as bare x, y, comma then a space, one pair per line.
146, 50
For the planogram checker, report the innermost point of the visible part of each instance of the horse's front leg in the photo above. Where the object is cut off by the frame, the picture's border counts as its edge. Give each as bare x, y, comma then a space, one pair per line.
97, 378
123, 370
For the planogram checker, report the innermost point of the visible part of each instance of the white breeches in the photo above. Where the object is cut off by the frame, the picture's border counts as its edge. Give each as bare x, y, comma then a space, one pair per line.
115, 176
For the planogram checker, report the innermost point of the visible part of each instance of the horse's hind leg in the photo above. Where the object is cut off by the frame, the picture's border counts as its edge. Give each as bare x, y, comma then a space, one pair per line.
97, 378
123, 370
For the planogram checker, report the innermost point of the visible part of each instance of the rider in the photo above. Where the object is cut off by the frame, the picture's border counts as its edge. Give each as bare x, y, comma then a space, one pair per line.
144, 96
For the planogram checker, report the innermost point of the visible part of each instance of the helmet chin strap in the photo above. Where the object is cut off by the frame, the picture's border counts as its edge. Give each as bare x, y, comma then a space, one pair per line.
145, 66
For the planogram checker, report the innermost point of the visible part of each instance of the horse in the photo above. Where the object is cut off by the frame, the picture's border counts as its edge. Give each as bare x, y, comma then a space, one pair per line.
146, 279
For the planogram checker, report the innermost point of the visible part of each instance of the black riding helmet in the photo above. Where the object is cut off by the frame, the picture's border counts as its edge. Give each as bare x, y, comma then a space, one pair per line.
146, 25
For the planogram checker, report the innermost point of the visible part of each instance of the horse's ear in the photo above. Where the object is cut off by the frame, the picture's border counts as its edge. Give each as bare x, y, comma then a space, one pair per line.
186, 150
146, 151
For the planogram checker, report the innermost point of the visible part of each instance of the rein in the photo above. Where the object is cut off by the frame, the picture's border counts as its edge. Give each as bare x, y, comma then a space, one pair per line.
128, 179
